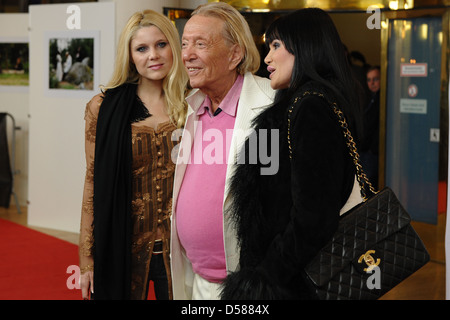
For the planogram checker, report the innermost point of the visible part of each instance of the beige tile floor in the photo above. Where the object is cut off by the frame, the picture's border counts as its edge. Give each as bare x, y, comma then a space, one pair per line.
428, 283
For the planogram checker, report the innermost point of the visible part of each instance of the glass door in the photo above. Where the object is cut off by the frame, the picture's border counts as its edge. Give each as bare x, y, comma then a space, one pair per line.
413, 92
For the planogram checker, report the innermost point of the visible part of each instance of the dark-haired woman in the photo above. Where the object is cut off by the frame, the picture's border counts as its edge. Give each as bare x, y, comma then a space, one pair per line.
284, 219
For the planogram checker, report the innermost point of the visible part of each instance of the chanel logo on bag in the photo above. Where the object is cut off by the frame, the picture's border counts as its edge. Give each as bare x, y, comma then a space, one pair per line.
369, 260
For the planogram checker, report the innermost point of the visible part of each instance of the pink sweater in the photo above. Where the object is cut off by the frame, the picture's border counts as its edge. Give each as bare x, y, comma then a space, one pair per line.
200, 201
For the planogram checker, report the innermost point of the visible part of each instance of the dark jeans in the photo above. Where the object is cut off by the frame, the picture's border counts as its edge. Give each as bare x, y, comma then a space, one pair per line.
157, 274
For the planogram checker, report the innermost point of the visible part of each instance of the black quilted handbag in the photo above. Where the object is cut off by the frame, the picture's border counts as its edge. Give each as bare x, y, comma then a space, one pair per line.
374, 248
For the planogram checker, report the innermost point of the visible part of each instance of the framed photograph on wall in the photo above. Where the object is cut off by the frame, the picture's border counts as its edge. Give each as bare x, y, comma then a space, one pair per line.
72, 63
14, 64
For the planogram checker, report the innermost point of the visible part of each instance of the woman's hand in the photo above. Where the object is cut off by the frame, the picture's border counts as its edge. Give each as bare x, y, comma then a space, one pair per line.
87, 284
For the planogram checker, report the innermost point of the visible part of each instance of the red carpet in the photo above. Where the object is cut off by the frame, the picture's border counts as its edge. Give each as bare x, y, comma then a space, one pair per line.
33, 265
36, 266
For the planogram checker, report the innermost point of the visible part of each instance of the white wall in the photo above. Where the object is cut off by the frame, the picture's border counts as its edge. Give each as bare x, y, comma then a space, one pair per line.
14, 100
125, 8
56, 161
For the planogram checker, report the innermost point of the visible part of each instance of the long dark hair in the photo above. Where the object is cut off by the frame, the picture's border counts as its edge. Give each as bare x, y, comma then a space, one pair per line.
311, 36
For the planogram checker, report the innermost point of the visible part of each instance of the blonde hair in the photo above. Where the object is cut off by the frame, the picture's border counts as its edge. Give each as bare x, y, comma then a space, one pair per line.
236, 31
174, 84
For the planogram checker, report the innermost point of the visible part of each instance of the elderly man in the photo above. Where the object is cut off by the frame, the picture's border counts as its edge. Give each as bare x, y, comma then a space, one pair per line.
220, 56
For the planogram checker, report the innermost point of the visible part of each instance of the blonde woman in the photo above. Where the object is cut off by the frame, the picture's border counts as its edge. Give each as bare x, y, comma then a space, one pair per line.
125, 223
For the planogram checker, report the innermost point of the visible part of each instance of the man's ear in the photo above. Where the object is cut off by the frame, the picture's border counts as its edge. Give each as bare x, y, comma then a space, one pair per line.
236, 56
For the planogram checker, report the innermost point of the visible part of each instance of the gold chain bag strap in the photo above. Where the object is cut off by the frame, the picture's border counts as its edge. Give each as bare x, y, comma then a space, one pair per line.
374, 247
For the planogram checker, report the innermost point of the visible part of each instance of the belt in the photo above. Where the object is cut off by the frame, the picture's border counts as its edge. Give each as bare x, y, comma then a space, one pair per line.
158, 247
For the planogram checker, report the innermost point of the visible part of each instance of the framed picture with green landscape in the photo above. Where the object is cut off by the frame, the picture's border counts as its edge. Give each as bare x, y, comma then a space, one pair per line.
14, 64
72, 62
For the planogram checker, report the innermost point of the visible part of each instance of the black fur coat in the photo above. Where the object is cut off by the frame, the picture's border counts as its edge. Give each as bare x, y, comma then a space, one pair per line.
283, 219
